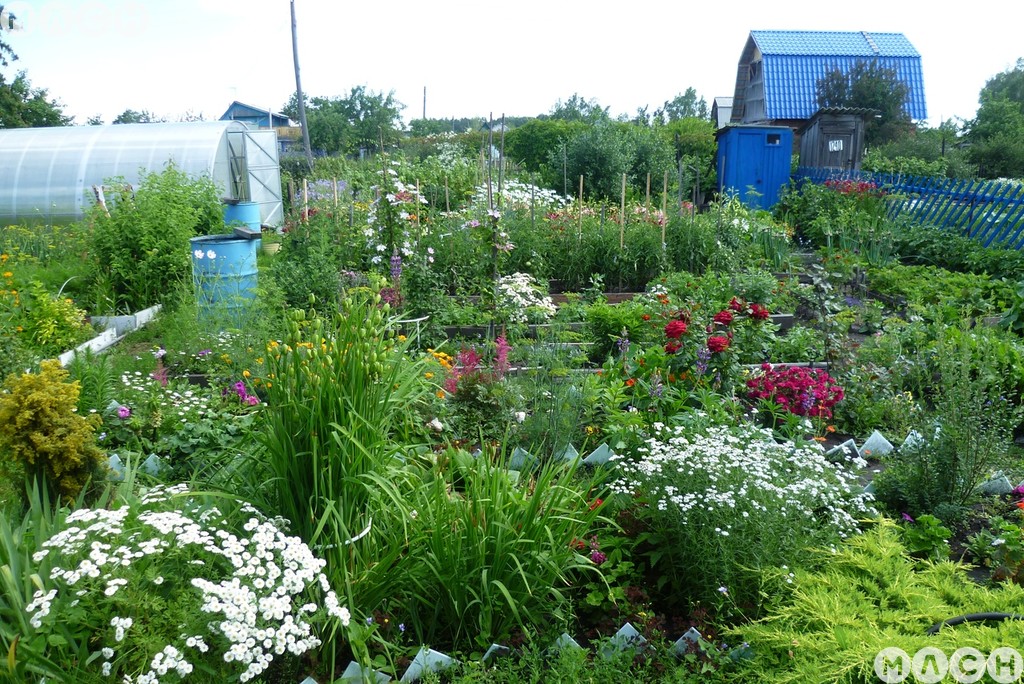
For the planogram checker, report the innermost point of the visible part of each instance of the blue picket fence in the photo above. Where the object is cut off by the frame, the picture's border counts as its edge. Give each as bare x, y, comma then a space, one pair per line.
991, 212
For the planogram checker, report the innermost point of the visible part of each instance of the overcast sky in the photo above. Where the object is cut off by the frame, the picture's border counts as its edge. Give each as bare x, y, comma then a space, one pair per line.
519, 57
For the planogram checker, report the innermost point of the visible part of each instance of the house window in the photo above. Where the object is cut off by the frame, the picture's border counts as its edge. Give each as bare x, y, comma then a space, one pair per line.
774, 139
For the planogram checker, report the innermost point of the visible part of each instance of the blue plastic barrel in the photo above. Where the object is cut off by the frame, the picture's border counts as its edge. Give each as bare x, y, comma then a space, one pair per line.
225, 276
244, 212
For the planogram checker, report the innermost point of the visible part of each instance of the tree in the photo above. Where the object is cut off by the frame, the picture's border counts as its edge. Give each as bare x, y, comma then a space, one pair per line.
997, 132
600, 154
362, 120
22, 106
869, 85
132, 116
683, 106
532, 143
578, 109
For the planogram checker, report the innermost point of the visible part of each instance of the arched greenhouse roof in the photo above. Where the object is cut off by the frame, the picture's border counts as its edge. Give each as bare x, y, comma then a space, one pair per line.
48, 174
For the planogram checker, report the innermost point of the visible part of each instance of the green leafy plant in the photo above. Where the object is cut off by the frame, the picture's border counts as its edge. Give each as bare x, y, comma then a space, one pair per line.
1001, 548
40, 429
926, 537
491, 550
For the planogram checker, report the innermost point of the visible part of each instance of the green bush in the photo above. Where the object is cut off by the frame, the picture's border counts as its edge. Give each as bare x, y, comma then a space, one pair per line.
41, 431
141, 249
720, 507
975, 415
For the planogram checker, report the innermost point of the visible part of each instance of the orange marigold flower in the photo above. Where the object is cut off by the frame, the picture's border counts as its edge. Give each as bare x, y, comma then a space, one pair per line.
630, 382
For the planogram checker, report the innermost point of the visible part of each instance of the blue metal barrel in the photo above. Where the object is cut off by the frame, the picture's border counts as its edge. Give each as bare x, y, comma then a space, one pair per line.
225, 276
244, 212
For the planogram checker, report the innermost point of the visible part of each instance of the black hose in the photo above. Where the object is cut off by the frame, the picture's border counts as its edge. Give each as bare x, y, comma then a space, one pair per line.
973, 617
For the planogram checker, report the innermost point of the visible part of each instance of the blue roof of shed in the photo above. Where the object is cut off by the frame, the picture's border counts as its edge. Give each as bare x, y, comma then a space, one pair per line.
794, 62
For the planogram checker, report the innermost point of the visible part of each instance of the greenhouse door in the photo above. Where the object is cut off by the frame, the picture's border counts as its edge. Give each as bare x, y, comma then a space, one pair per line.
264, 175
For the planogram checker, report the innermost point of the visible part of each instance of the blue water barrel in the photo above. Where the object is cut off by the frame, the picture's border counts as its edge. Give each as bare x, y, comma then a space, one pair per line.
244, 212
225, 276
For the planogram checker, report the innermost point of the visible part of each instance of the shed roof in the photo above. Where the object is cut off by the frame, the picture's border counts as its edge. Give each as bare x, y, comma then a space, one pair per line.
794, 61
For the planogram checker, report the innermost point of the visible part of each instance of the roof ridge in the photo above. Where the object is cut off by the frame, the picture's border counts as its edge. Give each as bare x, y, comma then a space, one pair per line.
871, 41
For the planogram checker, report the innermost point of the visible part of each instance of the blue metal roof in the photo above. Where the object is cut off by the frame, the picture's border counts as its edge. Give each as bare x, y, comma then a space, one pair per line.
833, 43
794, 62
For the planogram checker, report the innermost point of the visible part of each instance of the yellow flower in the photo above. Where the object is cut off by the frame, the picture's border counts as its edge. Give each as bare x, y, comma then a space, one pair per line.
8, 274
440, 394
402, 338
246, 374
428, 375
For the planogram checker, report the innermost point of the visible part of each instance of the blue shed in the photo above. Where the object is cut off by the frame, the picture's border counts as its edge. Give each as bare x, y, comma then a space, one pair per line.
754, 163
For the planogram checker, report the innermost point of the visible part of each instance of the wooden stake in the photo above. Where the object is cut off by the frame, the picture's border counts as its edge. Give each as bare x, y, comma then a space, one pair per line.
647, 206
581, 208
335, 195
622, 216
305, 199
664, 207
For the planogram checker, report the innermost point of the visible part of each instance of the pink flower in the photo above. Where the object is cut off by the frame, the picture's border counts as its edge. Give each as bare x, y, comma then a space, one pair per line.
737, 305
123, 412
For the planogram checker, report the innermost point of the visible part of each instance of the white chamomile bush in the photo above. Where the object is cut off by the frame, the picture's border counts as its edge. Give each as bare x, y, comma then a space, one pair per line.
167, 587
723, 503
521, 300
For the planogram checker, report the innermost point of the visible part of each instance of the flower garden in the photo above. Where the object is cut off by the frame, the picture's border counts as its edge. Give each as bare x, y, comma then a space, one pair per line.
483, 432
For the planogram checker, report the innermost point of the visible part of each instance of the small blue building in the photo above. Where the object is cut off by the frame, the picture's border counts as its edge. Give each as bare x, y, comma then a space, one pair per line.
754, 163
254, 116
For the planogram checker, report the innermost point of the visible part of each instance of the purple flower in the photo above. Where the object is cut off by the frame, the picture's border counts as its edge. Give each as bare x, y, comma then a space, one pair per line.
205, 352
623, 345
123, 412
596, 557
396, 266
908, 518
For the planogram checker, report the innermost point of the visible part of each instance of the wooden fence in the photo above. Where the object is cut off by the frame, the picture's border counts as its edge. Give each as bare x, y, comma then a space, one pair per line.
992, 212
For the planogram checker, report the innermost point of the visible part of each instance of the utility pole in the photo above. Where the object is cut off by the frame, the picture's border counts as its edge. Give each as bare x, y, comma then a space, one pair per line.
298, 93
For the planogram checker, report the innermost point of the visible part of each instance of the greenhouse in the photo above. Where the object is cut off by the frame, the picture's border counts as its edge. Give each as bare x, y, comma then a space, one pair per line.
53, 175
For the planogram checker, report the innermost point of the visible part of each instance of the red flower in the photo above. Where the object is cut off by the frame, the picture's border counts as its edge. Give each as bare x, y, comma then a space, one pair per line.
723, 317
718, 343
737, 305
672, 347
596, 503
675, 329
759, 313
646, 317
630, 382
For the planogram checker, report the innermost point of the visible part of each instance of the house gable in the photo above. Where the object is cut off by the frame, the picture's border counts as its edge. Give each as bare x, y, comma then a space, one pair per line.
779, 71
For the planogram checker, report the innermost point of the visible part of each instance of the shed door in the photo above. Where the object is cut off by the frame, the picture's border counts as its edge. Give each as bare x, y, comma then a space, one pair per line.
756, 154
264, 175
837, 150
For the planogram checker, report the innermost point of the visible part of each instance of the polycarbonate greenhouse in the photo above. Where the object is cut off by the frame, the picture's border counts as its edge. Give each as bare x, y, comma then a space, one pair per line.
49, 174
